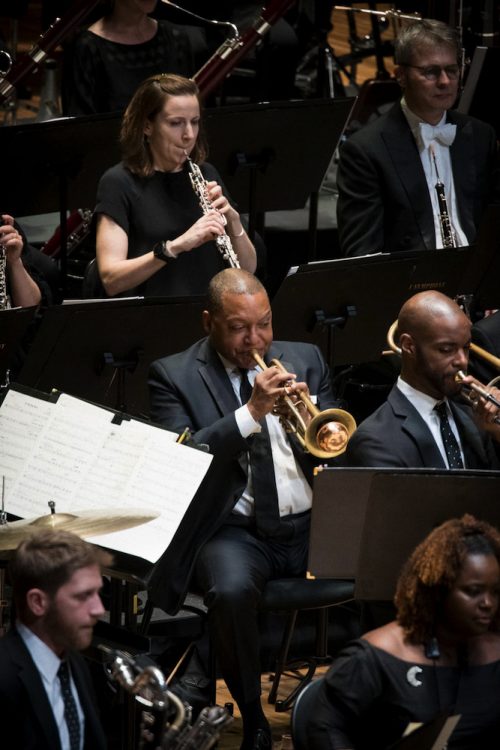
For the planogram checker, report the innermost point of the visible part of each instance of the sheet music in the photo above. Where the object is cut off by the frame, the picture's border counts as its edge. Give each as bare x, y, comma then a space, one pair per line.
72, 453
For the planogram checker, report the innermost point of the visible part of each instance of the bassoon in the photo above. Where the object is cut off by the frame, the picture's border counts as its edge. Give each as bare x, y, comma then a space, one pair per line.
231, 51
29, 61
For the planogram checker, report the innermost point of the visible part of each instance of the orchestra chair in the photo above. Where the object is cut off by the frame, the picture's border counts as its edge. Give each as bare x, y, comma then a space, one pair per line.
302, 710
291, 596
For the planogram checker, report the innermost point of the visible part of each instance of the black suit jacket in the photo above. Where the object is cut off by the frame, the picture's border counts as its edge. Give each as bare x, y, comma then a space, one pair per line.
395, 435
192, 389
26, 717
384, 203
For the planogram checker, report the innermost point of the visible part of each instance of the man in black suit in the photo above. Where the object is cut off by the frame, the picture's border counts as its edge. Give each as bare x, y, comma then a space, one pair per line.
388, 170
410, 429
253, 526
56, 580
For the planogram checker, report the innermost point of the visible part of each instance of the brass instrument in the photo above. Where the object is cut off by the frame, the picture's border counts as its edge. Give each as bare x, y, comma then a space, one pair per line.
474, 348
329, 431
474, 391
391, 13
166, 719
222, 241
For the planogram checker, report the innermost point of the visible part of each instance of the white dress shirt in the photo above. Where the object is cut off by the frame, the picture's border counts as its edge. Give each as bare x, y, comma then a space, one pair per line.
443, 162
294, 493
425, 404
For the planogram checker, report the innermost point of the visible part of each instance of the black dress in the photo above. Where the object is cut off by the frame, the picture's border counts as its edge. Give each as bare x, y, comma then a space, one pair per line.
161, 207
369, 697
101, 76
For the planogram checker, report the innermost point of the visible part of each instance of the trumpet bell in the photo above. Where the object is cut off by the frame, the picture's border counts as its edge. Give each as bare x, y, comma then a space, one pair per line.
329, 432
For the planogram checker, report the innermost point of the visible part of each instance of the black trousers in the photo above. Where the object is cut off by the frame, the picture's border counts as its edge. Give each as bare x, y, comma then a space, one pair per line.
232, 570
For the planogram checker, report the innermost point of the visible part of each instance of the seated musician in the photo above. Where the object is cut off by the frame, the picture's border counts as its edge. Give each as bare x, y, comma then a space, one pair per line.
56, 579
440, 655
153, 237
21, 289
254, 525
422, 424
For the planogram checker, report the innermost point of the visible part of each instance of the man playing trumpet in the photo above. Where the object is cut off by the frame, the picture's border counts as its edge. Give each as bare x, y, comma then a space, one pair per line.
254, 525
421, 424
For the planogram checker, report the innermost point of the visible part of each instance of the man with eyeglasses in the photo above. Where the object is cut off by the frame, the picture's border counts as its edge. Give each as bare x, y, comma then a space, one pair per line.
388, 170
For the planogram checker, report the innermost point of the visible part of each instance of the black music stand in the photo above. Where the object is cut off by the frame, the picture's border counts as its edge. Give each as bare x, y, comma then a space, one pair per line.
101, 350
273, 156
346, 306
13, 325
391, 511
66, 159
483, 269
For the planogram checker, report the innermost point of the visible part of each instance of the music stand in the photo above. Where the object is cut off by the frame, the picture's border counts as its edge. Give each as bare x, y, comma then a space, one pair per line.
481, 81
392, 510
13, 326
101, 350
346, 306
67, 157
273, 156
483, 269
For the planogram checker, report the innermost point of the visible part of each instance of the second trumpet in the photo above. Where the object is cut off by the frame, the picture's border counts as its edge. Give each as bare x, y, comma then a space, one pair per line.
328, 432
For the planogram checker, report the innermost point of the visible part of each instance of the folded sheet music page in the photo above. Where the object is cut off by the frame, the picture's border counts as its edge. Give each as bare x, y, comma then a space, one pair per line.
71, 452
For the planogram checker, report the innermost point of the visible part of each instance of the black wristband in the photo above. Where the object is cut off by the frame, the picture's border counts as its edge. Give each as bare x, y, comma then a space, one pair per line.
160, 251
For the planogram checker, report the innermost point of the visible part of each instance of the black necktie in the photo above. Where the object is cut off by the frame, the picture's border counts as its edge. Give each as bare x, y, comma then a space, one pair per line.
450, 442
70, 711
265, 495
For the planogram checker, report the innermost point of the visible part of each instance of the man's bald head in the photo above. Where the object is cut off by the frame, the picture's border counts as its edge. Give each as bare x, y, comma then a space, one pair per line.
231, 281
425, 310
434, 336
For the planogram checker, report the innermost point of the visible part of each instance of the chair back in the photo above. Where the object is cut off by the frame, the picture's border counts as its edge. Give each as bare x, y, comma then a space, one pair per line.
302, 710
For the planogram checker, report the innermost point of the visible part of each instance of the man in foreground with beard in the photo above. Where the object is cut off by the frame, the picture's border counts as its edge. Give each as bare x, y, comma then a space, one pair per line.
46, 700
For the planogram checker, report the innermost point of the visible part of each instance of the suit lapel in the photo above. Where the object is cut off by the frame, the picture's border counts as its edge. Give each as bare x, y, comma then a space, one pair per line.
93, 730
415, 427
473, 448
215, 377
403, 152
30, 677
464, 172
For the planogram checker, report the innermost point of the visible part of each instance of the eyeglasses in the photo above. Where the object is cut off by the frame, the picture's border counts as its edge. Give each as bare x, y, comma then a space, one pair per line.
433, 72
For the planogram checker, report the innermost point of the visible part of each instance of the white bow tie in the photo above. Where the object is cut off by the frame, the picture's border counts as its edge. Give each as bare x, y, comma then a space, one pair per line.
445, 133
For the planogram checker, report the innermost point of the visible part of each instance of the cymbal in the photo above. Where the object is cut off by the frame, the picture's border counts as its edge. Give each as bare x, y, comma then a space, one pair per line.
84, 524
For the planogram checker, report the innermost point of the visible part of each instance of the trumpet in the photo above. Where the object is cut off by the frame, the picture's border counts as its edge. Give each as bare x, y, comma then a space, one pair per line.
328, 432
474, 391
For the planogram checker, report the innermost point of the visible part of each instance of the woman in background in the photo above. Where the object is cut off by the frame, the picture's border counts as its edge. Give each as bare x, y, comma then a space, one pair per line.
110, 59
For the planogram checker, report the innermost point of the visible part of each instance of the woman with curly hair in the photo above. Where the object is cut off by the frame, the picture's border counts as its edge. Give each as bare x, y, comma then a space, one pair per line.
441, 654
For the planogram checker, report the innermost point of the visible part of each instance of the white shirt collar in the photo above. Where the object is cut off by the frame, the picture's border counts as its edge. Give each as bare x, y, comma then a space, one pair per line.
47, 662
423, 403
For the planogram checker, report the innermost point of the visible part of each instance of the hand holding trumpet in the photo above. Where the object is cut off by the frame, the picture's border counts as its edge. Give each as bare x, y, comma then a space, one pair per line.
271, 387
485, 401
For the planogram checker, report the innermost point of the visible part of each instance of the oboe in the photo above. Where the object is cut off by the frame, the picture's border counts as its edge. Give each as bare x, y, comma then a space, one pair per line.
222, 241
4, 297
447, 233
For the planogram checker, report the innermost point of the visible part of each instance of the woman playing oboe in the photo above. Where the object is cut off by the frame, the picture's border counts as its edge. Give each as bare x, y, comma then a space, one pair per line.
153, 236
